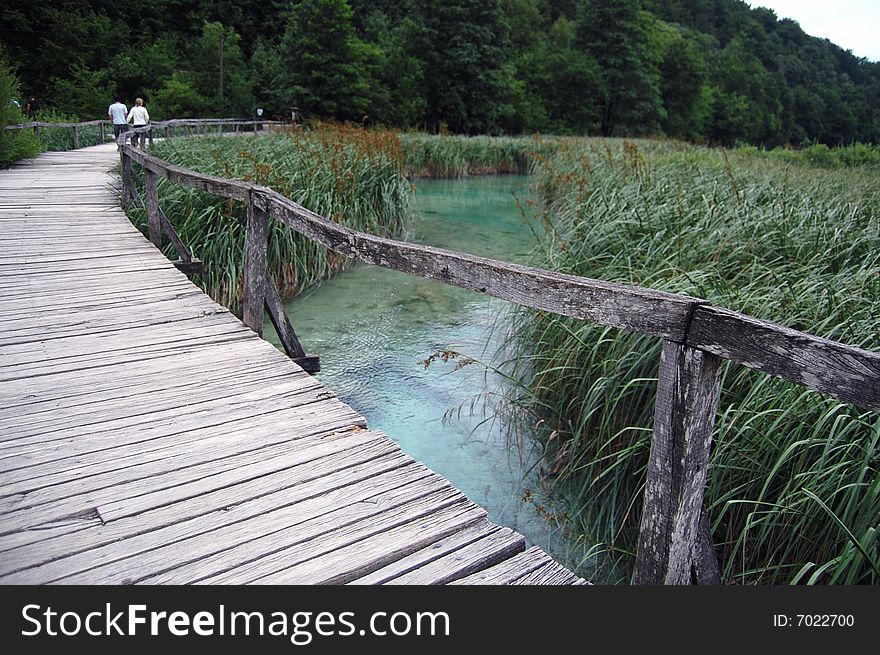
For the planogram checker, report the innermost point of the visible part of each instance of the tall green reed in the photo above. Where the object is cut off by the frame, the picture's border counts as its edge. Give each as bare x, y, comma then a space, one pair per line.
352, 176
793, 484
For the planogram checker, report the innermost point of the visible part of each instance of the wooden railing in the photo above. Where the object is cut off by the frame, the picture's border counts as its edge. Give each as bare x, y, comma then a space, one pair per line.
190, 126
674, 545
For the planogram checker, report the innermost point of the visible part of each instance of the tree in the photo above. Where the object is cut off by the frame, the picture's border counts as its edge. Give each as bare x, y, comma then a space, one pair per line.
610, 32
396, 74
747, 104
14, 144
325, 61
219, 73
468, 87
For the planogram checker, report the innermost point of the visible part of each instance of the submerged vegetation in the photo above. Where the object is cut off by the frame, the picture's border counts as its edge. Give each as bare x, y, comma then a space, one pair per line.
789, 236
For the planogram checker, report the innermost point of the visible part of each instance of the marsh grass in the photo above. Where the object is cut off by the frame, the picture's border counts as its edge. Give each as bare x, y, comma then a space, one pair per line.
352, 176
458, 156
793, 491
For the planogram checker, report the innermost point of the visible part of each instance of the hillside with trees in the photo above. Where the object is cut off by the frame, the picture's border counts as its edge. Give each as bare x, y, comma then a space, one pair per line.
707, 70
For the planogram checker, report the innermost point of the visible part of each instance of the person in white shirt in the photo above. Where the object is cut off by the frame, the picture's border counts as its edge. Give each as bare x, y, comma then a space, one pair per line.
117, 113
138, 117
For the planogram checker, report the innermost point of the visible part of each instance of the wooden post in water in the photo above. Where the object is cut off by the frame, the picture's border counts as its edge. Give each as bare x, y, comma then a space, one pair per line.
673, 529
75, 137
154, 221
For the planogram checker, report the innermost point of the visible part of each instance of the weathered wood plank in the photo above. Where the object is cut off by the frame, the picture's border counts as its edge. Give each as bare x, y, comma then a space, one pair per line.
46, 474
845, 372
279, 549
508, 571
134, 493
550, 573
356, 559
684, 415
212, 510
187, 535
491, 547
398, 570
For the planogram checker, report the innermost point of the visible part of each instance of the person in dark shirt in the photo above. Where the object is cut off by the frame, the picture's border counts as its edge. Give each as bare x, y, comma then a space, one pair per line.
32, 107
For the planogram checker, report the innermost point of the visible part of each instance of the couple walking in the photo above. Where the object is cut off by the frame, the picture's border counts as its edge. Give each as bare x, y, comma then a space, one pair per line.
119, 114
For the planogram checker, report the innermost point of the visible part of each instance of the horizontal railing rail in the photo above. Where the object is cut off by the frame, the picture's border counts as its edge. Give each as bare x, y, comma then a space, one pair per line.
674, 544
167, 127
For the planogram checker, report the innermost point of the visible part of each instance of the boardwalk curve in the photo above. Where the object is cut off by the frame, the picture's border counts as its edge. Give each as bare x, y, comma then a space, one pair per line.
148, 436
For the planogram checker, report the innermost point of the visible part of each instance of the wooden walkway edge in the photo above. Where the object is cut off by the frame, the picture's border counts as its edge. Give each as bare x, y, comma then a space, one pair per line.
148, 437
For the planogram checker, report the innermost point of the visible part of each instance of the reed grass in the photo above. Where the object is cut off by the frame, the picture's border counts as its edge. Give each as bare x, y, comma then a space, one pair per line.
793, 490
350, 175
428, 155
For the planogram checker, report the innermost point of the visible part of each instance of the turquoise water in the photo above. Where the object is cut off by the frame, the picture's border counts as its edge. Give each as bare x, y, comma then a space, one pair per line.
373, 328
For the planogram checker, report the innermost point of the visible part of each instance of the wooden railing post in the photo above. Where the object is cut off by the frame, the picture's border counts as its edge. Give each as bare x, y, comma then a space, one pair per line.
673, 528
37, 131
101, 132
255, 270
260, 293
126, 178
154, 222
75, 137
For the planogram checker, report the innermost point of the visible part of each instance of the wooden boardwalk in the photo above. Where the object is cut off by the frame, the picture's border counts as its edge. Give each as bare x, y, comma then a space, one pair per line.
147, 436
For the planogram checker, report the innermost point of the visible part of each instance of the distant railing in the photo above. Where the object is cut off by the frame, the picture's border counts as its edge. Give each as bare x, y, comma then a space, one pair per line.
674, 545
191, 126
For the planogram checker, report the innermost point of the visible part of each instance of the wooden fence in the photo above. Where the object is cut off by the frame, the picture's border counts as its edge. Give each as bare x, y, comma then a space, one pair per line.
167, 129
674, 545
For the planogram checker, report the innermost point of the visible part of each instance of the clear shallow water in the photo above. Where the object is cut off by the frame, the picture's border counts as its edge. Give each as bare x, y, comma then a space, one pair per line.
373, 328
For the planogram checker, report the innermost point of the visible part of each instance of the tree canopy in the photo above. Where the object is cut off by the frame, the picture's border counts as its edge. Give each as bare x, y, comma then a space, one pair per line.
712, 70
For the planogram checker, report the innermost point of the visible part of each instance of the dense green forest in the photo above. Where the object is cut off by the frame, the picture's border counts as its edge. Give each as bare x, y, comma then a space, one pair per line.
709, 70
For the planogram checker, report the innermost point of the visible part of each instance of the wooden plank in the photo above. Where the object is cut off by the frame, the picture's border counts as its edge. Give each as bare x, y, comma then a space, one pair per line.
684, 416
356, 559
212, 510
134, 493
146, 429
552, 573
480, 551
76, 467
845, 372
124, 375
508, 571
274, 546
395, 571
443, 507
206, 530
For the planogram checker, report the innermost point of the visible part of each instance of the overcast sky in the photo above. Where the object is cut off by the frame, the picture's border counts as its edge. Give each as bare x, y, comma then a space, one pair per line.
851, 24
